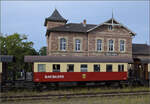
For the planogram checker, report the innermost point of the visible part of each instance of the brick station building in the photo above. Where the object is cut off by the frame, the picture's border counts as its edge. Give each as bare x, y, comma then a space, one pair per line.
81, 39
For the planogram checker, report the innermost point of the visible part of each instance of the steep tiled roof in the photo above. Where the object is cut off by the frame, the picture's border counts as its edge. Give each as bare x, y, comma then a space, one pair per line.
55, 17
73, 27
140, 49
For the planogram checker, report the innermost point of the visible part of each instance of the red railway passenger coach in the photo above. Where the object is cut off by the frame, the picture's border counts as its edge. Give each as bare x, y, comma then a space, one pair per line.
79, 68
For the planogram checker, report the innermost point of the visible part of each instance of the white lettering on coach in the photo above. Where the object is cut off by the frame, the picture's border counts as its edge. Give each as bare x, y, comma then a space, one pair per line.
53, 76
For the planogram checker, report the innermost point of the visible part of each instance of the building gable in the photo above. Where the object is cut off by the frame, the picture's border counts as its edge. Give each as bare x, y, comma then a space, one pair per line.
115, 24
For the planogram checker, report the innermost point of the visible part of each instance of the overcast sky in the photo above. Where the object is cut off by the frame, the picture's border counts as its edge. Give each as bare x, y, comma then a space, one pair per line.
27, 17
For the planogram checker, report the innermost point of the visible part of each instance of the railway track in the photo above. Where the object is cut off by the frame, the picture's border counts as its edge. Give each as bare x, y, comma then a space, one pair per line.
52, 96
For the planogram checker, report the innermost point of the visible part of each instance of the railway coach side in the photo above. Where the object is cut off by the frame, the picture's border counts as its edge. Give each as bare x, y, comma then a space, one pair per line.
0, 71
74, 69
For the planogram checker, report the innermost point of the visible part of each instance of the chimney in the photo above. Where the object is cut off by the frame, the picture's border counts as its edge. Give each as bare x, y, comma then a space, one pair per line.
84, 22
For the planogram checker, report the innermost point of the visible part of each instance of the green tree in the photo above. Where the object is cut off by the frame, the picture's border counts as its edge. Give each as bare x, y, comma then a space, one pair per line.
43, 51
18, 46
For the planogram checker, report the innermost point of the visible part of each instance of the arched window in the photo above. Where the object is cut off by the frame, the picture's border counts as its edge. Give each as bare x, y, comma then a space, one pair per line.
99, 45
111, 45
122, 45
62, 44
77, 44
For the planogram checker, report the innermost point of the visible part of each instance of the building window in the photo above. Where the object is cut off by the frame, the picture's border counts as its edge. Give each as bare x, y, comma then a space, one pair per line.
77, 45
56, 67
99, 45
63, 44
96, 68
84, 68
109, 68
41, 68
120, 68
122, 45
111, 45
110, 27
70, 68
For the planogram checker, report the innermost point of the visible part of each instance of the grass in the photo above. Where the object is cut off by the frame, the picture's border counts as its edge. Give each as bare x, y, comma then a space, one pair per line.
92, 100
74, 91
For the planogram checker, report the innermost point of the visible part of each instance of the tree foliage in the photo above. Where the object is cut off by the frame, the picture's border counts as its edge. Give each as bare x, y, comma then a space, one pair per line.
18, 46
43, 51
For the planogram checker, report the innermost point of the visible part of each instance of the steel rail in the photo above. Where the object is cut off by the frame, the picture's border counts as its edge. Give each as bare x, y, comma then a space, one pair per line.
51, 96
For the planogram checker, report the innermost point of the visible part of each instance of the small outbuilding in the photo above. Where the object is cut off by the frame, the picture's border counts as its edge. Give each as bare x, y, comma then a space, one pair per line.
4, 60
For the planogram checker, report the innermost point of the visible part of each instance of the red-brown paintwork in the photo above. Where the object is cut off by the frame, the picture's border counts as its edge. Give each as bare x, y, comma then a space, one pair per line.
78, 76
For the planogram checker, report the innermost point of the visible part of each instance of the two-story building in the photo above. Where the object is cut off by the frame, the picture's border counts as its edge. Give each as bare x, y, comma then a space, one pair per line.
81, 39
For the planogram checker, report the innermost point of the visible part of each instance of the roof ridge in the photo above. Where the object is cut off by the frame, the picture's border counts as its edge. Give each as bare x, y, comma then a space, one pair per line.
81, 23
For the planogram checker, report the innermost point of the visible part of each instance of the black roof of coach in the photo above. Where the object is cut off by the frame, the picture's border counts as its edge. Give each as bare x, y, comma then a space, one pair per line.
6, 58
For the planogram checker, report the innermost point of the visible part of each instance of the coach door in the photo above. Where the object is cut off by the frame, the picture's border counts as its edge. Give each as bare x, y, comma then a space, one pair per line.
146, 71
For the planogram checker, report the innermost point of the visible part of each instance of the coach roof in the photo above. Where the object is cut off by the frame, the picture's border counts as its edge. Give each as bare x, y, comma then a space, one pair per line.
77, 59
6, 58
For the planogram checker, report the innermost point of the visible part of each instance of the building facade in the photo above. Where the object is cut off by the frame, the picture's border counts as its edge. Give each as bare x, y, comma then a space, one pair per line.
81, 39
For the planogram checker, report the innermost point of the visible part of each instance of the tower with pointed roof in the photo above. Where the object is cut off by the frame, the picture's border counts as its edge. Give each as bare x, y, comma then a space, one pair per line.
54, 20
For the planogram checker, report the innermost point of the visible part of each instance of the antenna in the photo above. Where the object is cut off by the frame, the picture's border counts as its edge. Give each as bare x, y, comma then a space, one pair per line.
112, 14
55, 7
112, 18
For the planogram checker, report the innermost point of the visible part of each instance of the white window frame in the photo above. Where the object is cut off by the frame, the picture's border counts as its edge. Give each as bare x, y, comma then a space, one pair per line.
77, 45
109, 45
63, 44
99, 44
59, 43
123, 45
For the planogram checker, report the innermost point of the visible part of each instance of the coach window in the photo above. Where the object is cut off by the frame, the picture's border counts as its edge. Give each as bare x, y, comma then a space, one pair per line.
70, 68
120, 68
77, 44
56, 67
41, 68
63, 44
96, 68
109, 68
84, 68
99, 45
111, 45
122, 45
